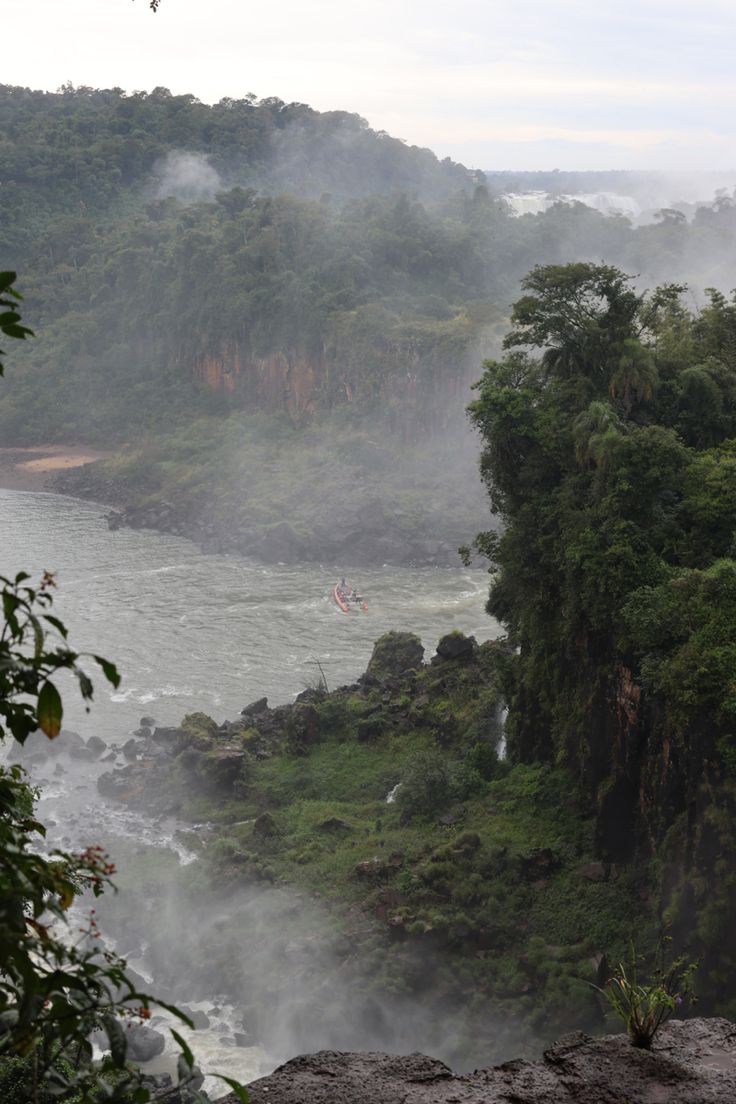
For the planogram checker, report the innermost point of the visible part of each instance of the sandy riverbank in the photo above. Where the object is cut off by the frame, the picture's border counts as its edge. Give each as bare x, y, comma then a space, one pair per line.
32, 469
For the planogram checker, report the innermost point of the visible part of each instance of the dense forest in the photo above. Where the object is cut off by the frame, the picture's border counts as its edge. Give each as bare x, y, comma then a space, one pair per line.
185, 262
611, 460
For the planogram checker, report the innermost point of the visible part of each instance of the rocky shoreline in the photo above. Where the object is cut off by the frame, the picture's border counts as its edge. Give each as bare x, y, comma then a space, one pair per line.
691, 1062
357, 530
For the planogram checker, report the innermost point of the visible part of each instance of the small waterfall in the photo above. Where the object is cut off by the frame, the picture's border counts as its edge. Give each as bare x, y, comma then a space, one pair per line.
503, 713
391, 795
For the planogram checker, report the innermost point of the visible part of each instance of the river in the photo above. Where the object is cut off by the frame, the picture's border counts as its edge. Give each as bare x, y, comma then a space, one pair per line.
191, 632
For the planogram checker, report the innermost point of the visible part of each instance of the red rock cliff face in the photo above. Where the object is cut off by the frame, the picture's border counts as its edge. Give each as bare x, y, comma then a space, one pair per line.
419, 390
277, 382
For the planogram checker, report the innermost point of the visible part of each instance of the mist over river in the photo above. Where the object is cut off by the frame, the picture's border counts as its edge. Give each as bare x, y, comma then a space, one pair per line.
191, 631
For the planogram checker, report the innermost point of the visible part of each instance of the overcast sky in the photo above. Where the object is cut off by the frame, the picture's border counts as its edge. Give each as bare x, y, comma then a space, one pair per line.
508, 84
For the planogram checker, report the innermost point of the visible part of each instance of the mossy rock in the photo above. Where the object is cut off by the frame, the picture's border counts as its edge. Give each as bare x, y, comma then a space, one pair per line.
303, 728
220, 768
396, 653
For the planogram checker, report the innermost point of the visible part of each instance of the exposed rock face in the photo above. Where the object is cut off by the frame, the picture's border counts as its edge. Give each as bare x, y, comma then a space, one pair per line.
692, 1062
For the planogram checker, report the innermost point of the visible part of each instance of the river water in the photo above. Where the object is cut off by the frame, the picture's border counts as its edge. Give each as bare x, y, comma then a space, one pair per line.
190, 632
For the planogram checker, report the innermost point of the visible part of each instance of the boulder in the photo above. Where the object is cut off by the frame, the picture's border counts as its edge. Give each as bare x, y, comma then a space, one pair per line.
96, 745
116, 783
144, 1043
147, 722
83, 753
130, 749
456, 645
396, 653
255, 707
221, 767
302, 727
166, 736
335, 824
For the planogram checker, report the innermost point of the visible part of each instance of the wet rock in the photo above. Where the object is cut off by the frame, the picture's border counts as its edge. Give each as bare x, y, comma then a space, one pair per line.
312, 695
147, 722
115, 784
395, 653
96, 745
130, 749
68, 738
220, 767
241, 1039
166, 736
302, 727
456, 645
144, 1043
255, 707
691, 1062
83, 754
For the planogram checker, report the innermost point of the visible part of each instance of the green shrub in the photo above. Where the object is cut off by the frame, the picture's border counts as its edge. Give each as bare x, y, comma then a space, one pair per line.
426, 787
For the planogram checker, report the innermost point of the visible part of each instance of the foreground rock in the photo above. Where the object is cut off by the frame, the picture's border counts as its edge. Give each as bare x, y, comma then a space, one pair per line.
692, 1062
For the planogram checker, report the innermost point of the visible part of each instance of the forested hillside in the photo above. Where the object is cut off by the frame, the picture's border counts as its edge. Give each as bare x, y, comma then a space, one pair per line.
611, 458
184, 262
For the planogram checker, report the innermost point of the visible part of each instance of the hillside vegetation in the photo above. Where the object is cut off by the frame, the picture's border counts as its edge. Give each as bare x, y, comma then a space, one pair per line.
498, 886
185, 263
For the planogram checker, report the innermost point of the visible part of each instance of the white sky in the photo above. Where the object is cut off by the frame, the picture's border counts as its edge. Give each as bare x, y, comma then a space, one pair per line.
507, 84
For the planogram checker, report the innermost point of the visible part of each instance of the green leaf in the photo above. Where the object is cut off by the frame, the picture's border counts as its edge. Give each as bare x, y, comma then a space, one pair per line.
57, 624
49, 710
185, 1051
109, 670
116, 1038
237, 1088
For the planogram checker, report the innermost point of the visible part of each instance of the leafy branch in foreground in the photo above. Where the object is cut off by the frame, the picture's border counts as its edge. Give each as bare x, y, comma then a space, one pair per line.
10, 321
28, 698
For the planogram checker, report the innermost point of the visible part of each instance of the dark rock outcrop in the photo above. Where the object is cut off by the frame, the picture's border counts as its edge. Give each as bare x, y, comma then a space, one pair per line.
396, 653
692, 1062
456, 645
